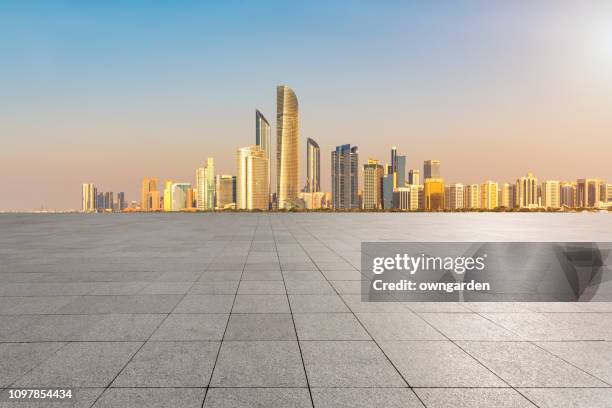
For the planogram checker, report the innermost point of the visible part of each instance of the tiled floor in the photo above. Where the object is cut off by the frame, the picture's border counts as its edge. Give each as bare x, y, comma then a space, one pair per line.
264, 310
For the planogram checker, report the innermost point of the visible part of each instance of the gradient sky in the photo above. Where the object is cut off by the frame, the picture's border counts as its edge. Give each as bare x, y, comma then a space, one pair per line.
108, 92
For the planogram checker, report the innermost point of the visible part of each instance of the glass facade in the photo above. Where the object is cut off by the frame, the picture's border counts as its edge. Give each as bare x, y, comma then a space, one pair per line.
287, 147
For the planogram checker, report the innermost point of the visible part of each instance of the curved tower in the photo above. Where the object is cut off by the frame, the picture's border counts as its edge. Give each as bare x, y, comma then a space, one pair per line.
287, 146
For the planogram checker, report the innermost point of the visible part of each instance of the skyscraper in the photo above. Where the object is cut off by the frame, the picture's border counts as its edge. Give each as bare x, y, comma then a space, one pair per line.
431, 169
489, 192
180, 196
121, 203
88, 198
168, 195
453, 197
471, 195
225, 191
287, 147
393, 159
551, 194
587, 193
345, 173
505, 198
372, 185
313, 167
434, 194
252, 179
205, 183
400, 171
148, 186
263, 140
387, 186
527, 192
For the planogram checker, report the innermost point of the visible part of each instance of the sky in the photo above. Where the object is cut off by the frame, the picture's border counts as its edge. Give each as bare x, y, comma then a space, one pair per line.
110, 92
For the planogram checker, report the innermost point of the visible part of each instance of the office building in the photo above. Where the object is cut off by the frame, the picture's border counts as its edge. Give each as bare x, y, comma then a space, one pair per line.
407, 198
252, 179
567, 194
488, 194
587, 193
148, 186
264, 141
400, 171
433, 191
505, 198
372, 185
167, 200
88, 198
471, 196
180, 196
431, 169
387, 186
414, 177
225, 192
205, 184
121, 203
453, 197
345, 177
551, 194
527, 192
287, 147
313, 167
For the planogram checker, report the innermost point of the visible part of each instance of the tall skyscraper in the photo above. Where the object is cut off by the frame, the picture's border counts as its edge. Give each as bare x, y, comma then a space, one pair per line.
505, 199
263, 140
489, 198
148, 186
434, 194
414, 177
453, 197
121, 203
372, 185
345, 177
387, 186
225, 191
393, 159
431, 169
88, 198
205, 184
551, 194
313, 167
527, 192
287, 147
252, 179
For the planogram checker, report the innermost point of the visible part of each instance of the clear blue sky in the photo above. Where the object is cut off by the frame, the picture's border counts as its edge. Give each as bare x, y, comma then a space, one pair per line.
109, 92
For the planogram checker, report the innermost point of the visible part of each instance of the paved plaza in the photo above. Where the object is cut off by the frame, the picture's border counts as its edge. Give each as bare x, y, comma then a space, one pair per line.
264, 310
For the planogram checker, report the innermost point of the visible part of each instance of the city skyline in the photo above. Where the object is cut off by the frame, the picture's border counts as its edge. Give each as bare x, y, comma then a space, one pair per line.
92, 95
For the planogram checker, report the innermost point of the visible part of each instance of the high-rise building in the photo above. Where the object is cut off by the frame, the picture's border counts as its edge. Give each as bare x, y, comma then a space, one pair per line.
471, 196
400, 171
180, 196
148, 186
505, 200
313, 167
488, 194
108, 201
587, 193
225, 191
287, 147
434, 194
264, 141
567, 194
88, 198
453, 196
431, 169
414, 177
121, 203
205, 184
551, 194
387, 187
345, 177
252, 179
527, 192
168, 195
393, 159
407, 198
372, 185
608, 193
